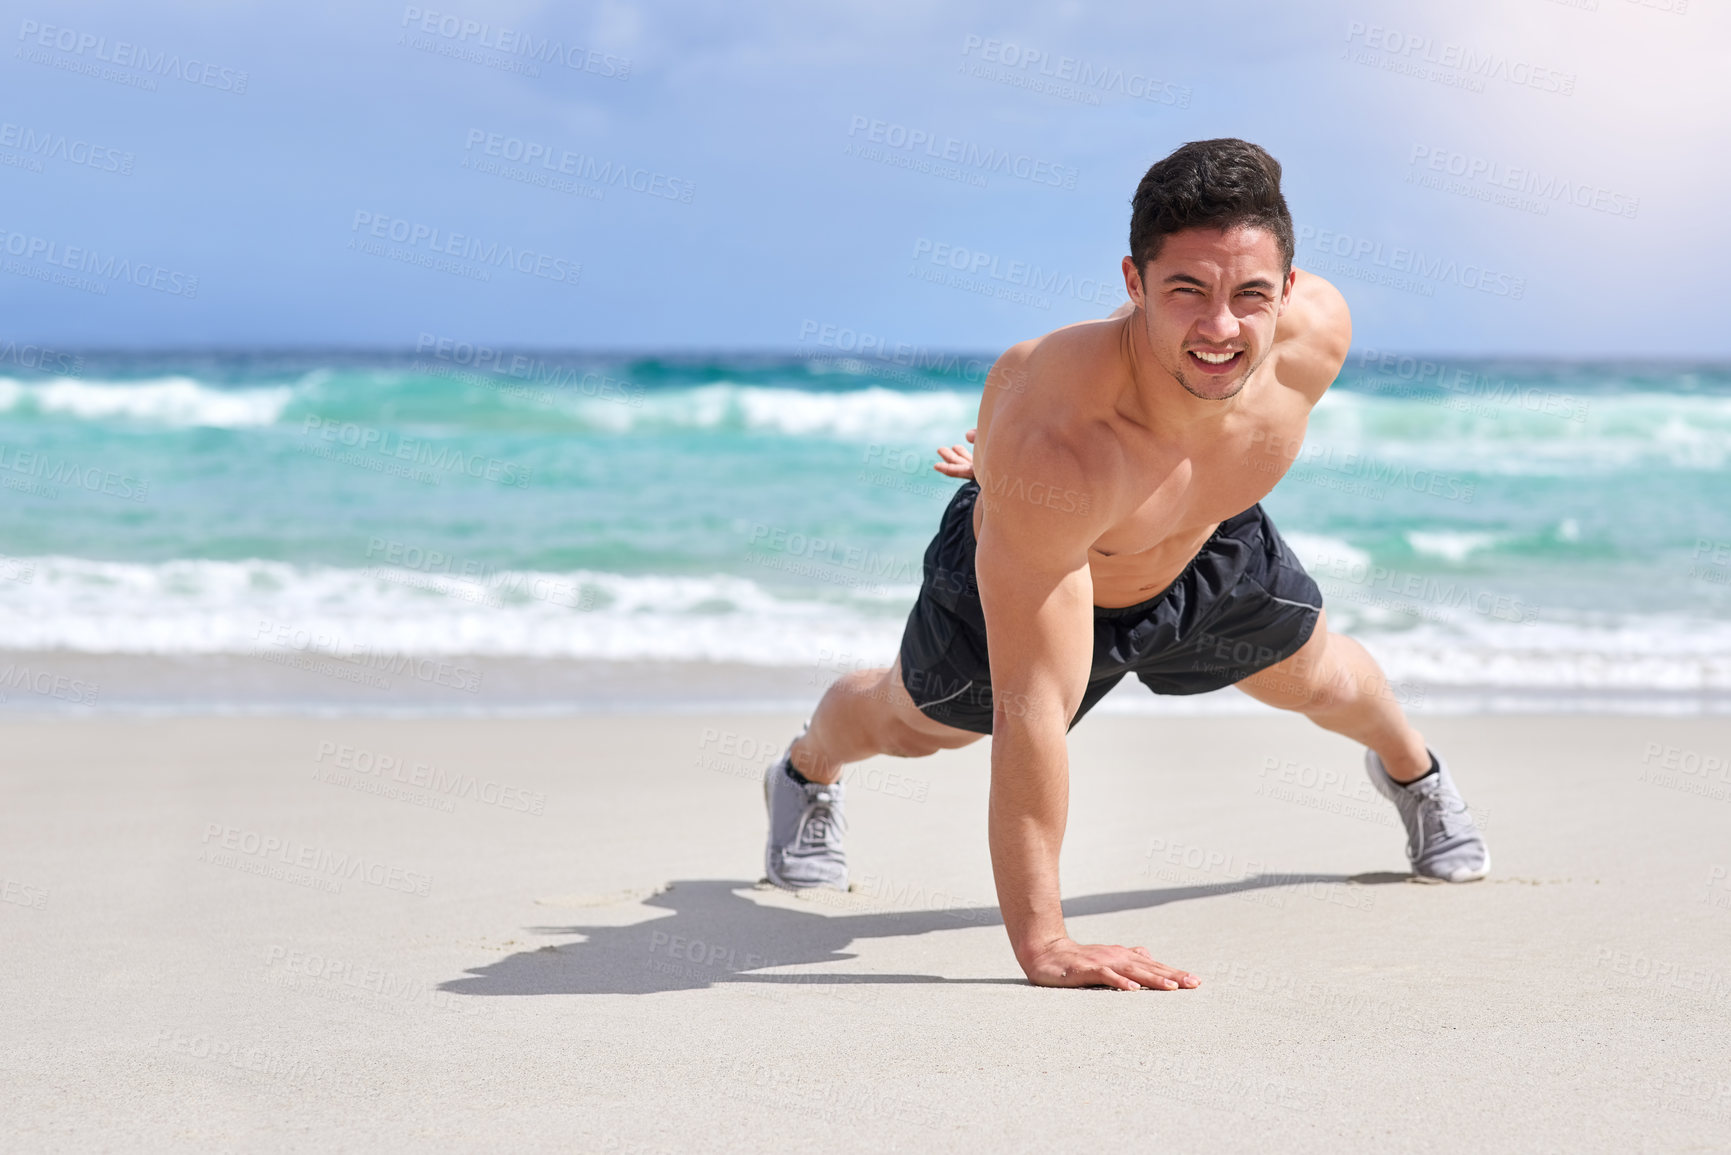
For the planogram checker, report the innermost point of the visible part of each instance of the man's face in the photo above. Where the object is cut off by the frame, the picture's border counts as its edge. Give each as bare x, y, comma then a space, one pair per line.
1209, 304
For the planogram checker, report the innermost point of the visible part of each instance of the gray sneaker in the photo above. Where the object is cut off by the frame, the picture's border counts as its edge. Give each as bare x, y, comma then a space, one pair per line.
805, 829
1442, 841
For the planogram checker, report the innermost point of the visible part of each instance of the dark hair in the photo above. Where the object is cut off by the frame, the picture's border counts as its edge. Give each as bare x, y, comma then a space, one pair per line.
1220, 184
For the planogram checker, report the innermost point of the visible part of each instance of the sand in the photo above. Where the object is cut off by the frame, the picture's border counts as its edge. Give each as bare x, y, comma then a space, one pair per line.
357, 934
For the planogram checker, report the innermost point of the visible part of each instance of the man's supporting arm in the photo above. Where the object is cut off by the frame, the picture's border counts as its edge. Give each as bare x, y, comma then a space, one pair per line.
1035, 587
1313, 335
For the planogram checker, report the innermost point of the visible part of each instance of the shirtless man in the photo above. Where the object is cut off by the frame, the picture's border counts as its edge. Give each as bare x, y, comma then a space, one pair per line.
1109, 526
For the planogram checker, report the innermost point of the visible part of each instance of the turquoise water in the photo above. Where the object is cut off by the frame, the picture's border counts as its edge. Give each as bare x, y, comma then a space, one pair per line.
1532, 526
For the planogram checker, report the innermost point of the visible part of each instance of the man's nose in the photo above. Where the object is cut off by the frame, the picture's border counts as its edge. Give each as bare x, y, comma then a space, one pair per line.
1218, 324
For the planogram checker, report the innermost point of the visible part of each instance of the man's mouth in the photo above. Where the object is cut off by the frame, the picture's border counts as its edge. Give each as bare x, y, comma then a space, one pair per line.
1215, 362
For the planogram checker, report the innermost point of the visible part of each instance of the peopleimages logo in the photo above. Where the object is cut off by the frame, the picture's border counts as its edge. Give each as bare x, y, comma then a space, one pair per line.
580, 166
1465, 61
38, 251
967, 154
123, 54
321, 867
41, 357
1068, 76
1414, 262
480, 360
49, 145
390, 444
823, 551
861, 345
47, 684
1485, 177
972, 266
460, 30
434, 241
71, 474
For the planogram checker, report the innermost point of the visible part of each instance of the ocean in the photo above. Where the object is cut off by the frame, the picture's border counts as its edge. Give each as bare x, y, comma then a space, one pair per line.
1501, 535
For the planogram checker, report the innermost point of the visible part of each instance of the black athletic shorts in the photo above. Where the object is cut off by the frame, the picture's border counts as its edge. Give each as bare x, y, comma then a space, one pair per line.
1242, 604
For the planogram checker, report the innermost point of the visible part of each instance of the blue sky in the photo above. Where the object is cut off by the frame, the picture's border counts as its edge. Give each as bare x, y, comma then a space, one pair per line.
1523, 177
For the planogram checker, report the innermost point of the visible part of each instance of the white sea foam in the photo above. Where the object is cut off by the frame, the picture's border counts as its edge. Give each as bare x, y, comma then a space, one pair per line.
1608, 433
1594, 434
217, 607
1645, 654
221, 607
1450, 545
853, 415
173, 401
1320, 552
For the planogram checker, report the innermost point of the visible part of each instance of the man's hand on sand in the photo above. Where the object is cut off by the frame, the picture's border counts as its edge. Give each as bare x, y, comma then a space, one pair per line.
1067, 963
958, 460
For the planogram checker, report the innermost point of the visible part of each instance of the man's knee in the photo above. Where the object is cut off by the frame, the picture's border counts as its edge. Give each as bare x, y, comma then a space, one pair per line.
922, 745
883, 714
909, 733
905, 742
1332, 691
1312, 681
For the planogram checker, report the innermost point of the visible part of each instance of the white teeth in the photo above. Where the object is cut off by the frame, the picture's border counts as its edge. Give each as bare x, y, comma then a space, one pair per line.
1214, 358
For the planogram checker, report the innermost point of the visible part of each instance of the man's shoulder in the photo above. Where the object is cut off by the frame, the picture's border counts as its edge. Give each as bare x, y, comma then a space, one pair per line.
1314, 336
1074, 353
1043, 484
1048, 449
1096, 339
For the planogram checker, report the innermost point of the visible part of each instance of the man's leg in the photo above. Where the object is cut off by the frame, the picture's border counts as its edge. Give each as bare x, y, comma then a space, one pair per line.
871, 712
865, 713
1336, 684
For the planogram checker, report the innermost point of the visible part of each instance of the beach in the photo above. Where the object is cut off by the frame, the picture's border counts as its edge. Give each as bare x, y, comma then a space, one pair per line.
386, 739
447, 456
294, 932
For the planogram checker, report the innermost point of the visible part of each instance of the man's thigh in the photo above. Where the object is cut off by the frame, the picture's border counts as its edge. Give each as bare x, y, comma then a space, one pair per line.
910, 718
1299, 680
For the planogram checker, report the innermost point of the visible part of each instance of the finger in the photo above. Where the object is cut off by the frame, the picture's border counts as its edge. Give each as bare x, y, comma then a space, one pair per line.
1106, 976
1156, 975
1155, 979
1182, 977
970, 435
1184, 980
1169, 972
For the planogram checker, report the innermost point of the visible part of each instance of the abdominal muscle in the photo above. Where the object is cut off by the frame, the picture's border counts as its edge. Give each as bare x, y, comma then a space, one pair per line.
1130, 578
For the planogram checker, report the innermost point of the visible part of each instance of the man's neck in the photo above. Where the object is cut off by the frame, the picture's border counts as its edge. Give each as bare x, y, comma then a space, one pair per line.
1158, 400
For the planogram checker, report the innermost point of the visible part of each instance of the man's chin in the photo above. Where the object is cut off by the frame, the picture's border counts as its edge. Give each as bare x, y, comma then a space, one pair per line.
1212, 388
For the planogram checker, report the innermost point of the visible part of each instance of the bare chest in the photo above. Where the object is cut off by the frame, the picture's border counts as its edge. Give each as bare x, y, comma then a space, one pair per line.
1174, 499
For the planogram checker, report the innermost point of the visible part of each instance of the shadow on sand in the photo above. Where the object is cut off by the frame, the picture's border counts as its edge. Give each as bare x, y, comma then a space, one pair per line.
718, 935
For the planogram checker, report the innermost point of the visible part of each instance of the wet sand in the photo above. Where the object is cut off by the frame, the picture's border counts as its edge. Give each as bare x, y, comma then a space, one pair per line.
283, 933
